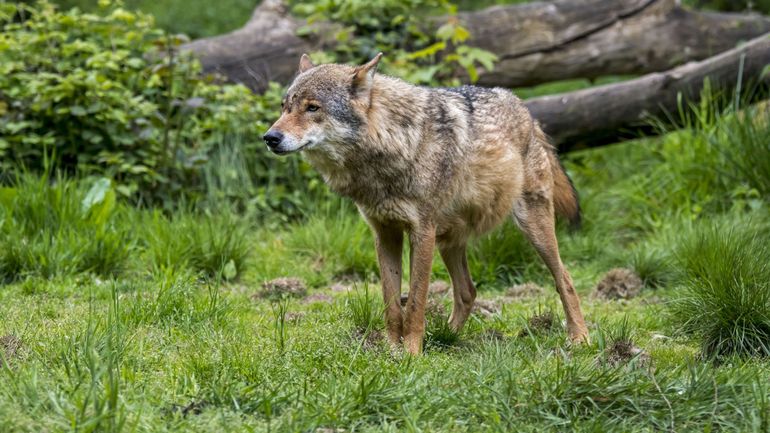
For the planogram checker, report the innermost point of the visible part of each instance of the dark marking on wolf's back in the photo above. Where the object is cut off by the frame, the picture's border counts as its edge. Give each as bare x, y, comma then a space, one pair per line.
469, 93
445, 125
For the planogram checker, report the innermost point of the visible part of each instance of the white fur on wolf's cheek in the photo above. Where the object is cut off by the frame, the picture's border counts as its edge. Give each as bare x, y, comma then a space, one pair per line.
313, 137
289, 143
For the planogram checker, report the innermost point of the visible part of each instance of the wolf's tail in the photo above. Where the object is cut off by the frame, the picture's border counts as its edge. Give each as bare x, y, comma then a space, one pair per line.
565, 197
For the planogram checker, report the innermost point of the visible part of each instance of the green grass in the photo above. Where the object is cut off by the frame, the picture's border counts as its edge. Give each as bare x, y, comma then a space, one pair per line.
194, 18
726, 293
135, 320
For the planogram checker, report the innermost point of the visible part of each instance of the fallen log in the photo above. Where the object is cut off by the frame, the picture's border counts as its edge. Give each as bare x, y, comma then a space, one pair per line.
535, 42
613, 112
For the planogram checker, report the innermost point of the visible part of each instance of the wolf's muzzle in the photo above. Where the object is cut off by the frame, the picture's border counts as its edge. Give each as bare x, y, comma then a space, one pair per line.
273, 139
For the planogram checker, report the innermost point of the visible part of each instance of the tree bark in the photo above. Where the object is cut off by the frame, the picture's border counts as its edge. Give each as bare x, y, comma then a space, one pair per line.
536, 42
613, 112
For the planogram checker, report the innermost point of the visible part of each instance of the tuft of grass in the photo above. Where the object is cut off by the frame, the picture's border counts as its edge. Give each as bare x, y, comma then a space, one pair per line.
174, 298
365, 310
438, 333
338, 239
57, 227
744, 141
725, 298
213, 244
653, 266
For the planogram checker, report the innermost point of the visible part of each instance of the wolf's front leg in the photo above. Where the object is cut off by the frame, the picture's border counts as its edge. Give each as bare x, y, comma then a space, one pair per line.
390, 242
422, 241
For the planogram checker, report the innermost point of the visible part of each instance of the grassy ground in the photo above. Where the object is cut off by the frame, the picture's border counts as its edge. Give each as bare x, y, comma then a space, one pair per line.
119, 319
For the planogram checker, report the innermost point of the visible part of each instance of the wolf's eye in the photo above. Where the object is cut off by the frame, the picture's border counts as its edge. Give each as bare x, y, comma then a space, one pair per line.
312, 107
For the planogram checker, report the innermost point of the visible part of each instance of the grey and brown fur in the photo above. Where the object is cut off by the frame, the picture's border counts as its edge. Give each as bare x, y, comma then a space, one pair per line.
439, 165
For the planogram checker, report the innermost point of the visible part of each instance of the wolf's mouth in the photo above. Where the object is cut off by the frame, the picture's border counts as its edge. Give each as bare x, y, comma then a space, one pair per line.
286, 152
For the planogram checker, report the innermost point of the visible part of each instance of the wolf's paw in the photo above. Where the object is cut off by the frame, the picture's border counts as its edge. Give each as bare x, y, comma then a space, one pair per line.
579, 336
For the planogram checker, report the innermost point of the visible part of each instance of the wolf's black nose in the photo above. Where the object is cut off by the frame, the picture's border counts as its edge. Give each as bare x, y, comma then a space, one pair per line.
273, 139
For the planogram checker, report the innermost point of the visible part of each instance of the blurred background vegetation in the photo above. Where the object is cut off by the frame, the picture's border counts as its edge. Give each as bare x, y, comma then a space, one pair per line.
200, 18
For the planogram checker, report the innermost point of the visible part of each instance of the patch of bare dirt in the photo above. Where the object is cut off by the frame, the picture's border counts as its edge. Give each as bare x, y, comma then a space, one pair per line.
618, 283
371, 340
526, 290
10, 345
318, 298
294, 316
438, 288
280, 287
486, 308
540, 324
346, 283
192, 408
341, 287
434, 306
623, 351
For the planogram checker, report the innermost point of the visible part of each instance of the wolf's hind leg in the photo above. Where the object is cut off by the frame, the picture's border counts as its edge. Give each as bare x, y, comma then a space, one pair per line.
463, 289
390, 243
534, 214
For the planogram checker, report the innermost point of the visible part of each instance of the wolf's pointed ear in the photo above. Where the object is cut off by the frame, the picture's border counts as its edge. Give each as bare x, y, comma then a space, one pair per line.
362, 75
305, 63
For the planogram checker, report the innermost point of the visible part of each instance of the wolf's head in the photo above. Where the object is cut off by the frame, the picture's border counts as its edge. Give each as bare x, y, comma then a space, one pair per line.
325, 105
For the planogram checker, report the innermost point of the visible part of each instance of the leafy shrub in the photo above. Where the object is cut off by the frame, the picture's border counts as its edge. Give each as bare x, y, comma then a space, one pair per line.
195, 18
110, 94
48, 230
392, 26
725, 300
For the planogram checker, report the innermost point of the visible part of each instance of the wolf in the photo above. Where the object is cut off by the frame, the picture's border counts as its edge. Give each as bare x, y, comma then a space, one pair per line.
437, 165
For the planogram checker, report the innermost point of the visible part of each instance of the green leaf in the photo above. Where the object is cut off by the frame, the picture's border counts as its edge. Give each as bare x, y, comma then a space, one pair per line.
99, 202
472, 73
427, 51
7, 195
304, 31
230, 271
445, 32
461, 34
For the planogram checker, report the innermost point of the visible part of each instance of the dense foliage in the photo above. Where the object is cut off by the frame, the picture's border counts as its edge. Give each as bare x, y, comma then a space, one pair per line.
110, 94
195, 18
397, 27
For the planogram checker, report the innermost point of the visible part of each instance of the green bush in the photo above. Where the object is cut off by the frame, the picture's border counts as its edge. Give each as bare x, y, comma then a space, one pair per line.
725, 299
195, 18
397, 27
110, 94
